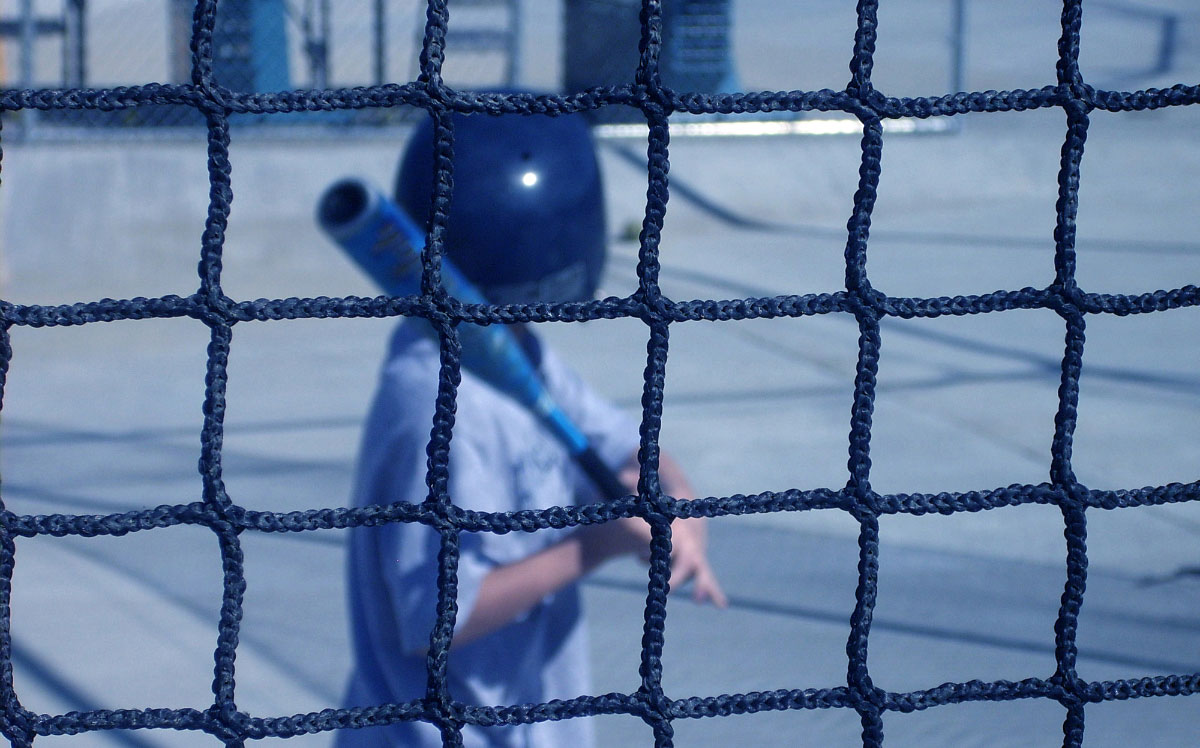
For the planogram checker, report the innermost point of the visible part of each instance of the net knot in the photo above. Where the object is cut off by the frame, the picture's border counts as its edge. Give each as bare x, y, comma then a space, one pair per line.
654, 707
440, 710
1067, 299
17, 724
443, 517
1076, 98
660, 507
225, 516
1070, 690
872, 104
866, 302
1073, 495
865, 504
213, 98
214, 310
226, 723
653, 100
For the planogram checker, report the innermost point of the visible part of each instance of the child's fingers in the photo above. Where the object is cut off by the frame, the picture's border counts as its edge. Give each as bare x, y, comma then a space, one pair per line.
694, 567
706, 588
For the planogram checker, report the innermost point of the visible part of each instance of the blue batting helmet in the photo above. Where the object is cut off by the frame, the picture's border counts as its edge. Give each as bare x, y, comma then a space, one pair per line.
526, 220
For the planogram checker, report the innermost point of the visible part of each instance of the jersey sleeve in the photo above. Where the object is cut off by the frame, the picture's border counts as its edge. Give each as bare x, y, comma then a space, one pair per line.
416, 547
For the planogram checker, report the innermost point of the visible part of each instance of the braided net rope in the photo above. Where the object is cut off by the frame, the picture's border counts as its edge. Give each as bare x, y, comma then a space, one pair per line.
219, 512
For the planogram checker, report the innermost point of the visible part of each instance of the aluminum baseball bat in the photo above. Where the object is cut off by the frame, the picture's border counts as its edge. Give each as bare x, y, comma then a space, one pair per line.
385, 243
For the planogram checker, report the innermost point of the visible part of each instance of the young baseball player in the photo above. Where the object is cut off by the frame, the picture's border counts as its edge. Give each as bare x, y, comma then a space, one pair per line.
526, 225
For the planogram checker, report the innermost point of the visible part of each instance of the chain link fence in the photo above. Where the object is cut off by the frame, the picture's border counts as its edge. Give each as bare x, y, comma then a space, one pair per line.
259, 46
550, 45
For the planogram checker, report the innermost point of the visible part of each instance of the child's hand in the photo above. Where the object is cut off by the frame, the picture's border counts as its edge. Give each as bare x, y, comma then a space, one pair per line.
689, 560
689, 537
689, 552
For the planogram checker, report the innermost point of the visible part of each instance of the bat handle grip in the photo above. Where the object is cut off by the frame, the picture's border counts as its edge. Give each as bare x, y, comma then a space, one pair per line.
600, 474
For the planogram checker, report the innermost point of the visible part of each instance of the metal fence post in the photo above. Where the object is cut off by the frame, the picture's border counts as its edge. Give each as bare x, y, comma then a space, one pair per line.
958, 42
28, 38
75, 44
380, 42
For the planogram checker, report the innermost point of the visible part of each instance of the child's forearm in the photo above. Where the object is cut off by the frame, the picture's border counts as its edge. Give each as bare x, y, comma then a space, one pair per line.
509, 591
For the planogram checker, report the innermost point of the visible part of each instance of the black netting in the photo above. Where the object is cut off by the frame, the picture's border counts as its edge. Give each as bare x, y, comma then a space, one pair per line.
215, 101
